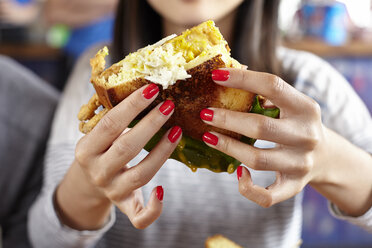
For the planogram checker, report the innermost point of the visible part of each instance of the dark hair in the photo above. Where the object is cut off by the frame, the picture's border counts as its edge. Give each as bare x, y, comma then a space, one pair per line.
254, 39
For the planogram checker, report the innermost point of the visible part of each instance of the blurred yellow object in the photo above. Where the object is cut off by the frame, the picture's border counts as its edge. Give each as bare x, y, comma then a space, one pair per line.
219, 241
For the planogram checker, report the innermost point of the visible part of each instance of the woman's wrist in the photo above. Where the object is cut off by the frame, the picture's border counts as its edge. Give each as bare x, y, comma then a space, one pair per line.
343, 175
78, 203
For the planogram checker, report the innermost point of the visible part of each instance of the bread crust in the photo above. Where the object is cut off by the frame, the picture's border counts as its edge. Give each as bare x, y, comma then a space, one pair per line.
190, 96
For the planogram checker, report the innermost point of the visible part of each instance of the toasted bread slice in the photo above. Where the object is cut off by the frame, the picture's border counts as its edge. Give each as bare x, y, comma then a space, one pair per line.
181, 66
219, 241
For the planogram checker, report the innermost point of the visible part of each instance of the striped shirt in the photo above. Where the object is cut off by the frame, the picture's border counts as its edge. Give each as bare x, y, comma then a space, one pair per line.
198, 205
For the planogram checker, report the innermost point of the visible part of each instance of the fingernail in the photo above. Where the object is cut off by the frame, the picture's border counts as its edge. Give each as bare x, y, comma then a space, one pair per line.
174, 134
239, 172
220, 75
206, 114
210, 138
167, 107
159, 193
150, 91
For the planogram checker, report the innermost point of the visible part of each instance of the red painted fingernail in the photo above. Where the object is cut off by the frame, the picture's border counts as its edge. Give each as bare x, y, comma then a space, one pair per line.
159, 193
220, 75
174, 134
239, 172
167, 107
206, 114
150, 91
210, 138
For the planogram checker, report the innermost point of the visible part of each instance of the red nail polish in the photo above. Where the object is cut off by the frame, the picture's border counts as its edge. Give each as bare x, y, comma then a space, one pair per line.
206, 114
159, 193
174, 134
239, 172
220, 75
167, 107
210, 138
150, 91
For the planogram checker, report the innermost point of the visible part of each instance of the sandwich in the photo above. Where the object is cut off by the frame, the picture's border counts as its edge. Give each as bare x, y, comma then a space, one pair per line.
181, 66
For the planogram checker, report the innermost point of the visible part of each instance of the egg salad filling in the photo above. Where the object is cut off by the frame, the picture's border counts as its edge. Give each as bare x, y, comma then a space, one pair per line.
168, 60
158, 63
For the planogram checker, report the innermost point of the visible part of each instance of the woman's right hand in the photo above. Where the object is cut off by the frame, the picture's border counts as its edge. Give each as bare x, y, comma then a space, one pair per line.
100, 177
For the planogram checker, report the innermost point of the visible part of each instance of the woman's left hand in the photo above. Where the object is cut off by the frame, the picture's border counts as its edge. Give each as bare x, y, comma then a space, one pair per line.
299, 134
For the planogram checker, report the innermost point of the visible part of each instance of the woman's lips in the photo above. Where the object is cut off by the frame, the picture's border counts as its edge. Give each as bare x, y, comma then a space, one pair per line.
190, 1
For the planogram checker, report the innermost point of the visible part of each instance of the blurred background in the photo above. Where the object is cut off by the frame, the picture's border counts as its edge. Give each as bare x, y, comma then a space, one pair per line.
47, 36
341, 33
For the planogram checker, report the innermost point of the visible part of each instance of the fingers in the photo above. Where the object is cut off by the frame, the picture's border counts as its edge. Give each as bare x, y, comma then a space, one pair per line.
142, 173
150, 165
139, 215
257, 126
276, 159
128, 145
125, 191
270, 86
250, 191
117, 119
281, 190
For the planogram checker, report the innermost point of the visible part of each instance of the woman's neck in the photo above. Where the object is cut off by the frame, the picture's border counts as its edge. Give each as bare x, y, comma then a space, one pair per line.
225, 25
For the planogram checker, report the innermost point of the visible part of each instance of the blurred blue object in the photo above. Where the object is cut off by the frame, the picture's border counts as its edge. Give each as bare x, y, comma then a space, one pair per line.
335, 30
23, 1
84, 37
327, 21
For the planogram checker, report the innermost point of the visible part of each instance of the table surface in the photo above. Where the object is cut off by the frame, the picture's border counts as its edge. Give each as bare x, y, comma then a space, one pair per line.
354, 48
30, 51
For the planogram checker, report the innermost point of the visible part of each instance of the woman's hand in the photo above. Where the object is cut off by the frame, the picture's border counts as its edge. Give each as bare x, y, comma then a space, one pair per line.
306, 151
100, 177
298, 133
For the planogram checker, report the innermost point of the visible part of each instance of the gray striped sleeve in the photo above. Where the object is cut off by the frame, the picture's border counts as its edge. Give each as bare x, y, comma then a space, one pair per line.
364, 221
44, 225
45, 229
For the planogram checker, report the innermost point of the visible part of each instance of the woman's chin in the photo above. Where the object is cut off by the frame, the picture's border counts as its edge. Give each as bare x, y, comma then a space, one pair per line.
193, 12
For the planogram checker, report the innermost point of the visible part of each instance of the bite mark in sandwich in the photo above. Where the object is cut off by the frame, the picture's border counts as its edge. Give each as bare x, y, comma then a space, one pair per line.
182, 66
